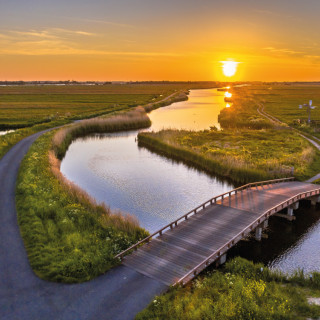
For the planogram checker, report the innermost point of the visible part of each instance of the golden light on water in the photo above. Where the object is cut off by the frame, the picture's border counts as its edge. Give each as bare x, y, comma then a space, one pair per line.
228, 105
228, 94
229, 68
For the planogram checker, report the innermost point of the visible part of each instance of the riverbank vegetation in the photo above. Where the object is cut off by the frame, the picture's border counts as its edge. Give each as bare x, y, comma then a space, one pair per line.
131, 120
68, 236
241, 155
239, 290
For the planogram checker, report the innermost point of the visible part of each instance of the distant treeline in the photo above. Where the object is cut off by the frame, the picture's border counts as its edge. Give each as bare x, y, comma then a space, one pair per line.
211, 83
67, 82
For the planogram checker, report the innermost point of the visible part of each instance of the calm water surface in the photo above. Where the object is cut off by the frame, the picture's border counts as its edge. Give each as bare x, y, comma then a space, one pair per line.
157, 190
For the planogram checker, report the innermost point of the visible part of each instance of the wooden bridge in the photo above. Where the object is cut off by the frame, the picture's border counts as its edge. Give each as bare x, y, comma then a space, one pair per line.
182, 249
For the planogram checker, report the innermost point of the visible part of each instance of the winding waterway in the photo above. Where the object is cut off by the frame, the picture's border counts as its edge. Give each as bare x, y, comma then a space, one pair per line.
113, 169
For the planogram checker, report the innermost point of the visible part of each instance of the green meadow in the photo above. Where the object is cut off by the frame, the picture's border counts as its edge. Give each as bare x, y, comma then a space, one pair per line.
240, 290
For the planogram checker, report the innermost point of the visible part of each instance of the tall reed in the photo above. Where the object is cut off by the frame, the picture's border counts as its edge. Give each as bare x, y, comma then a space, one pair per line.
134, 119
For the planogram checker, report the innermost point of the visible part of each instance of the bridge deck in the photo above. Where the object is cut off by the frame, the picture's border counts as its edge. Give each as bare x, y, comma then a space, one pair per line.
172, 255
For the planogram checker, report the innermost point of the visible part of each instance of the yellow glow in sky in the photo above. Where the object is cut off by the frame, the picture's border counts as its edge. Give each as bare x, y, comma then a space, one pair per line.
127, 40
229, 68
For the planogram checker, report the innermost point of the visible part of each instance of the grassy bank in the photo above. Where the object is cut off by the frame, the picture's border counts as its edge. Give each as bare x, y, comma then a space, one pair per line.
68, 236
176, 97
241, 155
134, 119
241, 290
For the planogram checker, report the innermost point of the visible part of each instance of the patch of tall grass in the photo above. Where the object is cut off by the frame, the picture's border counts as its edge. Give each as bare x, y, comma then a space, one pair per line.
133, 119
241, 290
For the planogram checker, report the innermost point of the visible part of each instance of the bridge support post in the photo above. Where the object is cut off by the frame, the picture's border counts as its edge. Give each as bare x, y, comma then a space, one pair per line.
315, 200
258, 233
221, 260
292, 207
265, 224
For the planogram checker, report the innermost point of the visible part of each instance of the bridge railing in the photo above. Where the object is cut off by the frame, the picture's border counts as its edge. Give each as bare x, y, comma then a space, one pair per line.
211, 201
223, 249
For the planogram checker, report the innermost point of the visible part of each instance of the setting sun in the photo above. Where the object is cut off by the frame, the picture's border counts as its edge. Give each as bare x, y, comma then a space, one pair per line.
229, 68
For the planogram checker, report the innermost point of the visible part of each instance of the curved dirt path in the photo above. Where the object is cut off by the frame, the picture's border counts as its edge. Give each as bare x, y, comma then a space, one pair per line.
119, 294
315, 141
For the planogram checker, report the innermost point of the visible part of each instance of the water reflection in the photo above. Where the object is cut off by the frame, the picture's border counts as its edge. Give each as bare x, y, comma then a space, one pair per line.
2, 133
199, 112
290, 245
157, 190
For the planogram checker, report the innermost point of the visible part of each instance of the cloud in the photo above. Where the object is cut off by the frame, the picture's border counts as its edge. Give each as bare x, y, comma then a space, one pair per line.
275, 14
40, 47
103, 22
283, 51
110, 23
58, 41
50, 33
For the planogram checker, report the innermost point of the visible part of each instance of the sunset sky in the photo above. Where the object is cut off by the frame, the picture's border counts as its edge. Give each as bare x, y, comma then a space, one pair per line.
273, 40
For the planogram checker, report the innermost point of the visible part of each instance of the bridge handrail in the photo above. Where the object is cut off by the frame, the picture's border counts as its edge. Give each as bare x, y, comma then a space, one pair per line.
245, 231
202, 206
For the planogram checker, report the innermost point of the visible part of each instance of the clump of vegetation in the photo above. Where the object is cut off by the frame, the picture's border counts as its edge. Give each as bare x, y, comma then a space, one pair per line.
242, 155
241, 290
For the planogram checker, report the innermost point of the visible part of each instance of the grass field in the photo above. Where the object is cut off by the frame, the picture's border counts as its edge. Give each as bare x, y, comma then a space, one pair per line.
22, 106
281, 101
240, 290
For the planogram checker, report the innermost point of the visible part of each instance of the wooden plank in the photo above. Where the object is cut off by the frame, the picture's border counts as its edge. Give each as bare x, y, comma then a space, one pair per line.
200, 248
212, 224
155, 263
203, 243
163, 249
